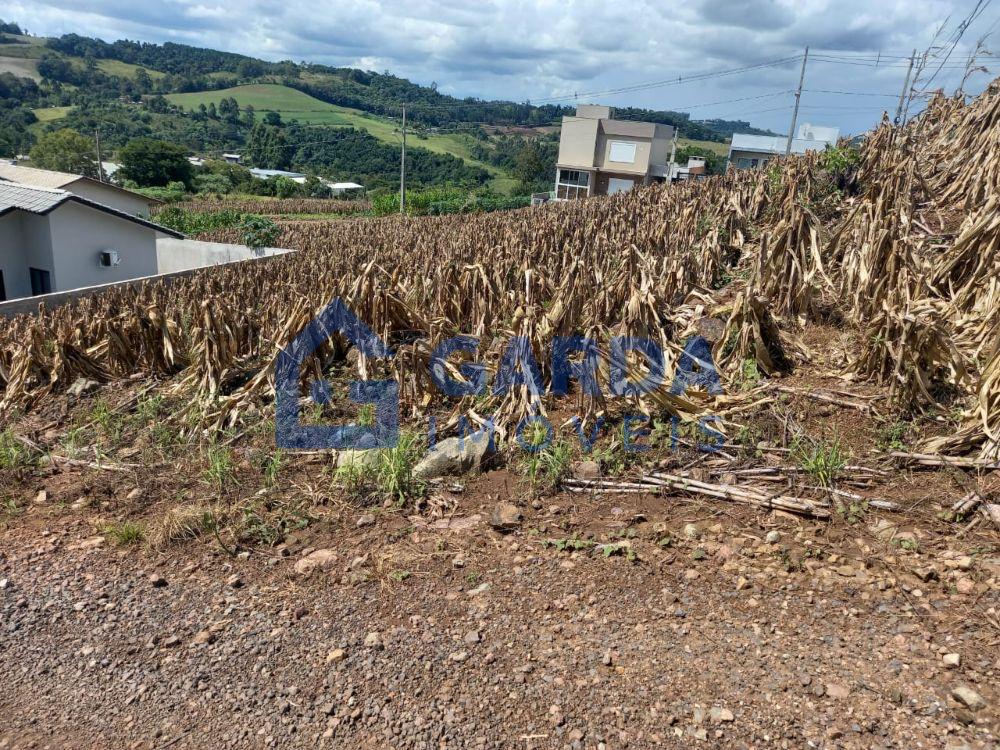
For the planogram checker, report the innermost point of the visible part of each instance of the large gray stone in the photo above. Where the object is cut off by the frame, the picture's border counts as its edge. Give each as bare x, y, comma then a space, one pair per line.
359, 459
453, 456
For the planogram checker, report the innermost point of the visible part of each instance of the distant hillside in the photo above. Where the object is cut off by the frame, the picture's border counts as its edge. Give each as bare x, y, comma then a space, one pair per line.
187, 69
211, 101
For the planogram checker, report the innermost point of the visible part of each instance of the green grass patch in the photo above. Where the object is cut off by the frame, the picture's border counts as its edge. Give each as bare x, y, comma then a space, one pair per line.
125, 533
822, 461
14, 455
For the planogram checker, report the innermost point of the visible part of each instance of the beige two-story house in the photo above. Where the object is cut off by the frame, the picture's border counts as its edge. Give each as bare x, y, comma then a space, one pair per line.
599, 155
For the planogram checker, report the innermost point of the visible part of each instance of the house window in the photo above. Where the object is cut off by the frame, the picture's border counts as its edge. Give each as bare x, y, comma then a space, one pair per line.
622, 152
41, 282
572, 184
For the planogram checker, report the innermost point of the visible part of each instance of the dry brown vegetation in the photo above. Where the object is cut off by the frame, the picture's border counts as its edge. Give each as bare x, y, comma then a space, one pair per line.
277, 207
904, 248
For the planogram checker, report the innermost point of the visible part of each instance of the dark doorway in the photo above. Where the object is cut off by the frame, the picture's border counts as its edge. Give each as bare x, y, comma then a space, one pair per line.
3, 289
41, 282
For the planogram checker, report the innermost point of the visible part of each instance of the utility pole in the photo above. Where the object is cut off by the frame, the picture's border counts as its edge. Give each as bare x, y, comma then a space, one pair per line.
100, 161
673, 157
402, 169
798, 98
906, 85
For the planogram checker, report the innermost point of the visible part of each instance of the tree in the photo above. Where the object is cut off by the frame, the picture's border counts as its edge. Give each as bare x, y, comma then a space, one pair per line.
158, 104
7, 146
266, 147
151, 163
229, 109
530, 169
65, 151
284, 187
250, 69
143, 81
714, 163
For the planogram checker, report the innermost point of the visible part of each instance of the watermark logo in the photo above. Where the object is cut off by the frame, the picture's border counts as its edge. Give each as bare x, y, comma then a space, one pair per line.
289, 430
573, 358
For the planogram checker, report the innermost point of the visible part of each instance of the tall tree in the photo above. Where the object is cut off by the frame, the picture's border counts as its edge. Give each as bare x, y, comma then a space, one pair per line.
65, 151
151, 163
266, 147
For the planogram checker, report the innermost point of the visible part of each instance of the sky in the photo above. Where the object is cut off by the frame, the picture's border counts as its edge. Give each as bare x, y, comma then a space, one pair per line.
584, 50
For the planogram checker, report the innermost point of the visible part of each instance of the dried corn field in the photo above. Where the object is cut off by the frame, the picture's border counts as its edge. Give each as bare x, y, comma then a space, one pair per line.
904, 249
277, 207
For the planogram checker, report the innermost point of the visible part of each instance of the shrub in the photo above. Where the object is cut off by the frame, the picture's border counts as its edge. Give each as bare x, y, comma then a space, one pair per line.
258, 231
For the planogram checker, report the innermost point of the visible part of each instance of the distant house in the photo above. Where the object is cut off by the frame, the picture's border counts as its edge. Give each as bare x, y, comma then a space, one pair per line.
749, 151
53, 240
110, 169
267, 174
599, 155
196, 161
127, 201
232, 158
345, 188
696, 169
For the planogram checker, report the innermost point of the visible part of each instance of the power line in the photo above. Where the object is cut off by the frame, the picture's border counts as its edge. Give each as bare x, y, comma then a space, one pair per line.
981, 6
679, 80
847, 93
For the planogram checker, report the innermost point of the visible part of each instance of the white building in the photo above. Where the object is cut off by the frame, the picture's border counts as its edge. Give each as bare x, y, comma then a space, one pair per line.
53, 240
749, 151
344, 188
128, 201
267, 174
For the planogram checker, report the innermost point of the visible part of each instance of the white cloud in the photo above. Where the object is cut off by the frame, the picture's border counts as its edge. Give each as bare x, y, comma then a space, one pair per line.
533, 50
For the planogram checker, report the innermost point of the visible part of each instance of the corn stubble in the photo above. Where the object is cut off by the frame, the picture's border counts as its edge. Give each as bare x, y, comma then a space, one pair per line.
908, 255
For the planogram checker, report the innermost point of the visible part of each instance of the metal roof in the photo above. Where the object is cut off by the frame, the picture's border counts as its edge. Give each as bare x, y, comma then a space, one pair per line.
41, 201
33, 199
265, 173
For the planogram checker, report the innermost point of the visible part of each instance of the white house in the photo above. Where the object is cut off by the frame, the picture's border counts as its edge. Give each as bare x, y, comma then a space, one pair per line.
343, 188
749, 151
128, 201
54, 240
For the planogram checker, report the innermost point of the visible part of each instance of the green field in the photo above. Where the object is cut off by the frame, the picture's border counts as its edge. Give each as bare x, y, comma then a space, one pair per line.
292, 104
722, 149
48, 114
120, 69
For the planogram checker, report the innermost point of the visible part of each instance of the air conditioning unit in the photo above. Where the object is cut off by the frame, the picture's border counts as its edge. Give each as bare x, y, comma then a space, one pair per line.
110, 258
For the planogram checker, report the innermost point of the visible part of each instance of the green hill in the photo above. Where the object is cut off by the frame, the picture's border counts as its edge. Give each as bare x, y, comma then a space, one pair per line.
293, 104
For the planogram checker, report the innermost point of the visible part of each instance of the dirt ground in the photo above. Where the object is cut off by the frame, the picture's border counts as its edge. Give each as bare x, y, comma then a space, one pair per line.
492, 613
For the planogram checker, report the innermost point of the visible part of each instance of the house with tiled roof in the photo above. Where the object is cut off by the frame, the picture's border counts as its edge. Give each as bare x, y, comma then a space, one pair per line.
106, 193
54, 240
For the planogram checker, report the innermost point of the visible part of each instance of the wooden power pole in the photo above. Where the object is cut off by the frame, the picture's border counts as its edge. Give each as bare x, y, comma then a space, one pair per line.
100, 160
798, 98
906, 86
402, 169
